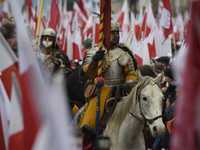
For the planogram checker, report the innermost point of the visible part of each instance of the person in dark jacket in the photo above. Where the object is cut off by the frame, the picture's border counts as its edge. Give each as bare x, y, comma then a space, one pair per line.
170, 97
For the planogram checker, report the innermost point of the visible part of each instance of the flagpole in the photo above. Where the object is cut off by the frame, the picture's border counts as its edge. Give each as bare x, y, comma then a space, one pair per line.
38, 26
99, 81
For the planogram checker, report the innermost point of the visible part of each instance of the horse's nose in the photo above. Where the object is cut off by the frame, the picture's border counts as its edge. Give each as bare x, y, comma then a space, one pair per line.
155, 129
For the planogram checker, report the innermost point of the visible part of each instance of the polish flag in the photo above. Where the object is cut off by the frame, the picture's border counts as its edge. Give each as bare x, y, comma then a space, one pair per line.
160, 8
151, 43
138, 25
96, 27
5, 10
179, 28
4, 117
142, 54
128, 38
148, 21
166, 18
124, 20
30, 6
55, 16
36, 96
9, 64
82, 7
82, 20
16, 132
64, 30
69, 44
186, 126
88, 28
77, 44
134, 45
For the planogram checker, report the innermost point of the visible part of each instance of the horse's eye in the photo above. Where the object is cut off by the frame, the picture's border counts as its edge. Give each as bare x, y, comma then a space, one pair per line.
144, 98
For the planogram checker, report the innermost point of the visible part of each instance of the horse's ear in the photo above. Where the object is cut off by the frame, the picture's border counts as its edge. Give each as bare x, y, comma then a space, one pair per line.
140, 78
159, 78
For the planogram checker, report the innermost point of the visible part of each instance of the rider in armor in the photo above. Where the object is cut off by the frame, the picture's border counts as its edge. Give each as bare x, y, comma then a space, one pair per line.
118, 70
52, 59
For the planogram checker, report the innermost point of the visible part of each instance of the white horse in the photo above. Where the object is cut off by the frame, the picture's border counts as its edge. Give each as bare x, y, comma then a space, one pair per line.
142, 106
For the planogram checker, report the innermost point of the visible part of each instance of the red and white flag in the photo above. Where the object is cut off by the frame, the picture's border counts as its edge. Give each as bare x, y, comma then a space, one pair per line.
4, 117
186, 126
82, 20
88, 30
167, 47
77, 44
124, 20
166, 18
149, 20
160, 8
179, 28
138, 25
96, 27
5, 10
16, 132
81, 4
142, 54
55, 16
134, 45
35, 94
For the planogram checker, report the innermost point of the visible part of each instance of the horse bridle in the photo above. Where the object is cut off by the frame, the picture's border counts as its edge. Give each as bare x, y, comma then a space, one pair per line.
139, 89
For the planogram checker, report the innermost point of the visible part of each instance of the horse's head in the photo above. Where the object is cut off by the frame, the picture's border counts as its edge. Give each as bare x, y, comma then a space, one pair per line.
149, 96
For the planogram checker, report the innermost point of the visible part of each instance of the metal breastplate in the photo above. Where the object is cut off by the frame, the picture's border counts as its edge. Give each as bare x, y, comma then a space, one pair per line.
114, 75
47, 64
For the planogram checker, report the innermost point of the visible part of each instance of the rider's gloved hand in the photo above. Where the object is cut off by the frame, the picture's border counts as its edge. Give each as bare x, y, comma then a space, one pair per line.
99, 55
125, 86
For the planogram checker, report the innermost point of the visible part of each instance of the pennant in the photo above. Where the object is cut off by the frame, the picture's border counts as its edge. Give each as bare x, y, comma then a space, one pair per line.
105, 7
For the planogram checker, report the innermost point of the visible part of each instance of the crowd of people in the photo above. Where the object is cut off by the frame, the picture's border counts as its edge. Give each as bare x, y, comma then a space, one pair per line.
118, 70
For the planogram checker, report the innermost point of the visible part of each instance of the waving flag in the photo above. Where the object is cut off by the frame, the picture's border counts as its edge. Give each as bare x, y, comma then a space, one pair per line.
149, 21
186, 126
166, 18
55, 16
16, 133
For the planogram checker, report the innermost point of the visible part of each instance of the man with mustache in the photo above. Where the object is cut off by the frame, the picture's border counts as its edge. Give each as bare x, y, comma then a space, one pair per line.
9, 33
118, 71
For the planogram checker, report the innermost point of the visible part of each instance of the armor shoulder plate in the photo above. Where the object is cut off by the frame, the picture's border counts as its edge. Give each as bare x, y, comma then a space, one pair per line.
88, 56
124, 58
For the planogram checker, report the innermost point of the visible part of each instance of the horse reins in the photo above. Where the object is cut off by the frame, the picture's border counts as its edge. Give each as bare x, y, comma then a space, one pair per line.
139, 89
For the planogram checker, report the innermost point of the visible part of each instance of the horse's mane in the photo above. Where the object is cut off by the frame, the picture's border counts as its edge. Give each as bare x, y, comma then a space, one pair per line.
123, 107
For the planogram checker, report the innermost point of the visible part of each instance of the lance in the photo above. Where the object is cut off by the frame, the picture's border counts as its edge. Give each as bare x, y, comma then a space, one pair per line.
105, 9
38, 26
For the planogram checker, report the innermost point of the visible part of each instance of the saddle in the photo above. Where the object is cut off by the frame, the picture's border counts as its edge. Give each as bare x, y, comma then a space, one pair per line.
108, 111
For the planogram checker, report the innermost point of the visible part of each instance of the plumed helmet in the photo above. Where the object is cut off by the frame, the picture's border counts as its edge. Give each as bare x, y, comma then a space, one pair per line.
114, 25
49, 32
